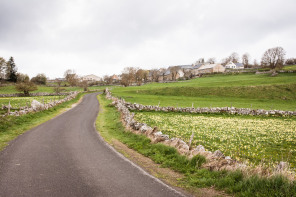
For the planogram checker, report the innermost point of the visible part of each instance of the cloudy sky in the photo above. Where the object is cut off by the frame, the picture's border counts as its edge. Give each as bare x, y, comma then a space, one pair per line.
104, 36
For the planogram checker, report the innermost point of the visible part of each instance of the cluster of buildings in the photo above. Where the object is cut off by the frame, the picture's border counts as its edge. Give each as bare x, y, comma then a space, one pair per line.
171, 73
191, 71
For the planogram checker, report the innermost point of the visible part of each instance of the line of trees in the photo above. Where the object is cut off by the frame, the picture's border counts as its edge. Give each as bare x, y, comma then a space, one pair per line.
273, 58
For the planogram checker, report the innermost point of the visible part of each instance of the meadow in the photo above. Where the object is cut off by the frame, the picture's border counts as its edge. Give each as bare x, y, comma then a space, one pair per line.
238, 90
11, 89
17, 102
244, 138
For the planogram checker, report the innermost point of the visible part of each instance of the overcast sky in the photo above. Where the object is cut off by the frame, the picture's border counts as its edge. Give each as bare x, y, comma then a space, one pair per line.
104, 36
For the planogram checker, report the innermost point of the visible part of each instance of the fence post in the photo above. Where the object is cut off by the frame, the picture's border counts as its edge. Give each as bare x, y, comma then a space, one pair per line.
9, 107
190, 141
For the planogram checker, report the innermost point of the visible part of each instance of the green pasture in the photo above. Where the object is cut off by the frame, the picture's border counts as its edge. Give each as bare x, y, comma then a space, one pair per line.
240, 90
252, 139
290, 67
11, 89
17, 102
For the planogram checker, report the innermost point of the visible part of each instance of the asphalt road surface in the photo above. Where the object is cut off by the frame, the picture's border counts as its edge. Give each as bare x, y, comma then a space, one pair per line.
66, 157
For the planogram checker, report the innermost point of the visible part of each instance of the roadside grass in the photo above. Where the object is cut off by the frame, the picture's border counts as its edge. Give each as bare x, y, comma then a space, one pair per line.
11, 126
242, 91
109, 126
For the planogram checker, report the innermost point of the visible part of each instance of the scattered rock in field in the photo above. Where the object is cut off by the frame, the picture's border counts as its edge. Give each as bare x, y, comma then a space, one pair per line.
36, 105
228, 158
200, 148
218, 153
282, 166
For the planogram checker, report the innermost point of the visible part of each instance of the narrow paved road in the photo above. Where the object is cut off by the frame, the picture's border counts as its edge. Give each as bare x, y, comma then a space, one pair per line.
66, 157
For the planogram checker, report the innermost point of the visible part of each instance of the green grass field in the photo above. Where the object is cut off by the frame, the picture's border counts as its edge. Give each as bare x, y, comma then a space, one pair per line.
17, 102
251, 139
11, 89
292, 67
241, 90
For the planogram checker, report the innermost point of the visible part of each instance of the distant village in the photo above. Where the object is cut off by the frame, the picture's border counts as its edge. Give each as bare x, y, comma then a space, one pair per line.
136, 76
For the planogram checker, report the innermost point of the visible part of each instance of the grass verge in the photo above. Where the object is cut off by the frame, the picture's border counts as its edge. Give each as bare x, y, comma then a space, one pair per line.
11, 126
110, 127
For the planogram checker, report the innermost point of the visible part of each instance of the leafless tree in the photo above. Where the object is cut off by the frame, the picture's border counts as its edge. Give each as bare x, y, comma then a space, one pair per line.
2, 68
128, 76
246, 60
234, 57
107, 79
139, 76
174, 72
255, 63
71, 77
290, 61
84, 85
154, 75
274, 57
145, 75
211, 60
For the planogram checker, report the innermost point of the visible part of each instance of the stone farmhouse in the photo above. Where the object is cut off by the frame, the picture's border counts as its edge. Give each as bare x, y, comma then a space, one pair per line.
211, 68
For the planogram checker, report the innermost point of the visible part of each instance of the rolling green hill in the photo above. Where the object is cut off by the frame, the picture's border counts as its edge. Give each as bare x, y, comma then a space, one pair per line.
242, 90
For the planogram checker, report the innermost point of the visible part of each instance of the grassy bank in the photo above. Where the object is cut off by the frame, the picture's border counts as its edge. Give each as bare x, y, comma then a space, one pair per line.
11, 126
242, 91
109, 125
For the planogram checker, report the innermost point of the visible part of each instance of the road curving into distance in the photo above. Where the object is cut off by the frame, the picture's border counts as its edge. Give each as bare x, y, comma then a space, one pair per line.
66, 157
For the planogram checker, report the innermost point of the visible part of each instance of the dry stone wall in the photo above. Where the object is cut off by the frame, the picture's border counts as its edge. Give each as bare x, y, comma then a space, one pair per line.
215, 160
227, 110
36, 94
37, 106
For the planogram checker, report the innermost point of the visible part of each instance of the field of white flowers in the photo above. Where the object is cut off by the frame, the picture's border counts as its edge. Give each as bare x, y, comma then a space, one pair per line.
251, 139
17, 102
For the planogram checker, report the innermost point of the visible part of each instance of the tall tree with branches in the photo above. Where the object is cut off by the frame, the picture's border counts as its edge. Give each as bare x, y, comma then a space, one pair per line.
11, 70
274, 57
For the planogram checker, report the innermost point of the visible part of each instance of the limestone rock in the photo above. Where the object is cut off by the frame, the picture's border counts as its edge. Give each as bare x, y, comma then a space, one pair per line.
218, 153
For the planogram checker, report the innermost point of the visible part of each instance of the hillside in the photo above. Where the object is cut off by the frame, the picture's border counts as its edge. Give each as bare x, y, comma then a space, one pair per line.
243, 90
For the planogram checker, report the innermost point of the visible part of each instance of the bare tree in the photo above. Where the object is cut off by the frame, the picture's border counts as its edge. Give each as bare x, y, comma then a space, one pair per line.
174, 72
2, 68
84, 85
234, 57
107, 79
145, 75
154, 75
290, 61
128, 76
274, 57
139, 76
211, 60
246, 60
71, 77
255, 63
